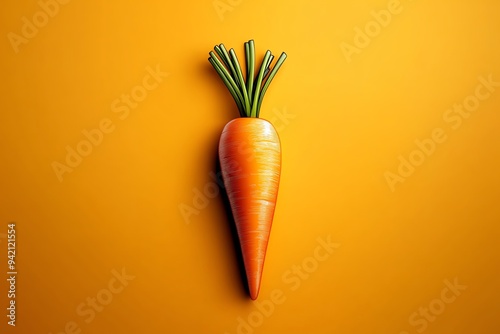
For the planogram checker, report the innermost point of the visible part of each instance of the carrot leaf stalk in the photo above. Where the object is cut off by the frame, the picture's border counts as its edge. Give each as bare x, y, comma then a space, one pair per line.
247, 92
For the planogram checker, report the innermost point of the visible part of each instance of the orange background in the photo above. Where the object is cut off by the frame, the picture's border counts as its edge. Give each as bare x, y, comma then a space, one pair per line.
346, 125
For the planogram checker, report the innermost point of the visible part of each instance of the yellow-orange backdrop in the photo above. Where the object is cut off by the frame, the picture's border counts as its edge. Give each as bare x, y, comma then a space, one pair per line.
388, 113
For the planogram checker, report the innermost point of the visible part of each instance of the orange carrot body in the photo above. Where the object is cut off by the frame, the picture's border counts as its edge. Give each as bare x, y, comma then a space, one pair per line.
250, 157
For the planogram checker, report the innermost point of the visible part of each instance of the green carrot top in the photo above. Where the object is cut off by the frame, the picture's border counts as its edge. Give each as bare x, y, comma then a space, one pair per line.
247, 92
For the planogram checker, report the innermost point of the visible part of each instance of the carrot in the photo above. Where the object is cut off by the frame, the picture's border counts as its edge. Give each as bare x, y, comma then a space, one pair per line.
250, 156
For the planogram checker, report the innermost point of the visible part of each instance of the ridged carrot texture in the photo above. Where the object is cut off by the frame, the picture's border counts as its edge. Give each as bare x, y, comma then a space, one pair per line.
250, 156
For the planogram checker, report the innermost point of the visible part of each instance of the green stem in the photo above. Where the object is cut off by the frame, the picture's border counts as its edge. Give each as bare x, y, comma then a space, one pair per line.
228, 60
251, 69
221, 56
268, 67
236, 64
258, 84
270, 78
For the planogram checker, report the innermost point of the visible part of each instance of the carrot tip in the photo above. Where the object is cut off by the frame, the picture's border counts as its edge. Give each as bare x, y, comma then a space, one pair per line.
254, 292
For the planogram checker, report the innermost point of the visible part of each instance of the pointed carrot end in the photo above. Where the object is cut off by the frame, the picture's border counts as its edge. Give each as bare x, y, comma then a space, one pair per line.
254, 291
254, 280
